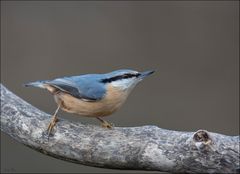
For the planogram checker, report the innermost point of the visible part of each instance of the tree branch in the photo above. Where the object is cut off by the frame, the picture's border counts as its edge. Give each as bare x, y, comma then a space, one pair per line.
142, 148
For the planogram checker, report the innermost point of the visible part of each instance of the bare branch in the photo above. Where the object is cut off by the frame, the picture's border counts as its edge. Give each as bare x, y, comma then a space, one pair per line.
142, 148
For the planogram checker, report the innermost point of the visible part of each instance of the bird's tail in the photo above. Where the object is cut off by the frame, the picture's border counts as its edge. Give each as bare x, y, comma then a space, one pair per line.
38, 84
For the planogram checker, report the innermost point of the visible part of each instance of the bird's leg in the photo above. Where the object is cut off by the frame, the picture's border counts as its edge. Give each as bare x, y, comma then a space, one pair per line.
54, 120
105, 124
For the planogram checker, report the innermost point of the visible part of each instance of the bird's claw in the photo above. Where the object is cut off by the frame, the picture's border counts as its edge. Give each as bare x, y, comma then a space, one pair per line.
51, 125
108, 125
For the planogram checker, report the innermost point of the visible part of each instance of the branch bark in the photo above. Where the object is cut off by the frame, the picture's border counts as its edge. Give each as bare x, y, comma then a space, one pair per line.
140, 148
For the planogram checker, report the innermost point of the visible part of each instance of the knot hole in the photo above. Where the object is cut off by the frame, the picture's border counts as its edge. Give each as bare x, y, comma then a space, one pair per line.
201, 136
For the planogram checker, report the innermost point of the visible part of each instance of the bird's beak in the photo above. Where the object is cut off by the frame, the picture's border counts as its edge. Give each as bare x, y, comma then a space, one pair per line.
145, 74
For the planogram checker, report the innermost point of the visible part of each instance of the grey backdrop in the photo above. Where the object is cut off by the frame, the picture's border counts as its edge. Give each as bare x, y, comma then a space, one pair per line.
193, 46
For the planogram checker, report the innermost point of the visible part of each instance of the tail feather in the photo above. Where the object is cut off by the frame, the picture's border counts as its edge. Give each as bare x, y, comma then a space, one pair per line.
38, 84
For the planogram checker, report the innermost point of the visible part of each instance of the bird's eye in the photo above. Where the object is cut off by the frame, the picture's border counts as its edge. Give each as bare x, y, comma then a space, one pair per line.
125, 76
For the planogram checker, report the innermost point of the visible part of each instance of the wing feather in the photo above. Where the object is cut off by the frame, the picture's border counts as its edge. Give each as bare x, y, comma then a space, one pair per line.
80, 89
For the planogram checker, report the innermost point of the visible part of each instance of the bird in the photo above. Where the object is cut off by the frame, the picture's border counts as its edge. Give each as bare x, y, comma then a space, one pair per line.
91, 95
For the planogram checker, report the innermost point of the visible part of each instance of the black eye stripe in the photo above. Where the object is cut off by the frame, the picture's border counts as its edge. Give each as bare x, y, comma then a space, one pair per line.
125, 76
119, 77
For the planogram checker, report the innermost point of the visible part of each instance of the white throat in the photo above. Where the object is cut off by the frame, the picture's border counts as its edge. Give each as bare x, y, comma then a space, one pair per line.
125, 84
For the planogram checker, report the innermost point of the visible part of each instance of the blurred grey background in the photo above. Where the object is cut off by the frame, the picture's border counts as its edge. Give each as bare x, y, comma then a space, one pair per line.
193, 46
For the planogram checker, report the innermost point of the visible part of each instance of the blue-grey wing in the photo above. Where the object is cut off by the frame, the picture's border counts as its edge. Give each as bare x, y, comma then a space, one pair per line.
83, 89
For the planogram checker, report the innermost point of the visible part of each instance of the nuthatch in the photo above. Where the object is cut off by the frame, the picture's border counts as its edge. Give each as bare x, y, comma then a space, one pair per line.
92, 95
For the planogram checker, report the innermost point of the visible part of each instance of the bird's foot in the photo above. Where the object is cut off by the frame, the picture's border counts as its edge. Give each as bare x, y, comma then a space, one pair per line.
106, 124
52, 124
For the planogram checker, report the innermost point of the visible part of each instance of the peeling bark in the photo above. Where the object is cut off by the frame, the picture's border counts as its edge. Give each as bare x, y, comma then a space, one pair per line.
139, 148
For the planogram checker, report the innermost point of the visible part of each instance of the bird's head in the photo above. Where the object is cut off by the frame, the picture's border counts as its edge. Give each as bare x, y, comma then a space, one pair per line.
125, 79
